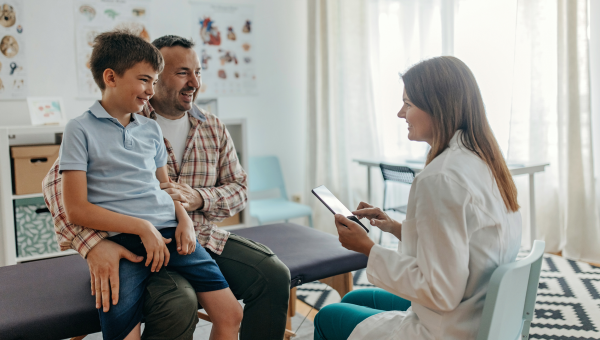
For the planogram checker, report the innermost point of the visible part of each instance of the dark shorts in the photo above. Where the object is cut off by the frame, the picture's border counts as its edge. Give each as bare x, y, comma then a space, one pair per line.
198, 268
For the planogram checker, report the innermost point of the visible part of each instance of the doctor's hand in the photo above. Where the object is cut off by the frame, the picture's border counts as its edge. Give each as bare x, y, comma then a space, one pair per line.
353, 236
377, 217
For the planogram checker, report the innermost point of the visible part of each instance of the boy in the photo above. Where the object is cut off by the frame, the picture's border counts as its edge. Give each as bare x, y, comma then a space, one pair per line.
113, 162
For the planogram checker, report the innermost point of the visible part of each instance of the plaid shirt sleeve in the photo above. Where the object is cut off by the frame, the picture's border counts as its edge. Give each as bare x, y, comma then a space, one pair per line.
228, 197
215, 172
68, 235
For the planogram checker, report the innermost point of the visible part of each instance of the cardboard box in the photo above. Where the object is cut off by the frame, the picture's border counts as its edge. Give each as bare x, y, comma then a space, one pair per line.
30, 164
233, 220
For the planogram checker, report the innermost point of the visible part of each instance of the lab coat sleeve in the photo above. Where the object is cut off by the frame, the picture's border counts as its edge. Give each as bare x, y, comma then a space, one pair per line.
435, 275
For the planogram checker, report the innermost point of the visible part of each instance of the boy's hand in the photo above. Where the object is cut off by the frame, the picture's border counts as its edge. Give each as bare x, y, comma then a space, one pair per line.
156, 247
185, 236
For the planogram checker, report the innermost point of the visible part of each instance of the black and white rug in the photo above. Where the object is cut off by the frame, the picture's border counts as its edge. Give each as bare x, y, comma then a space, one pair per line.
567, 306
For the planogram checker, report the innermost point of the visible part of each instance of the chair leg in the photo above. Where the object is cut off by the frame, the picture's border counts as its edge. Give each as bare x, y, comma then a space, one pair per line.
310, 223
204, 316
290, 312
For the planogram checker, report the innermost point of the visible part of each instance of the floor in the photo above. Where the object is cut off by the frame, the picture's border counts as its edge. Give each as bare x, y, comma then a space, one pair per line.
301, 324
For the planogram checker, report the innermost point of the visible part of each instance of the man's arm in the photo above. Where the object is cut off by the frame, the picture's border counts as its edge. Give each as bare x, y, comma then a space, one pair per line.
229, 195
68, 235
81, 211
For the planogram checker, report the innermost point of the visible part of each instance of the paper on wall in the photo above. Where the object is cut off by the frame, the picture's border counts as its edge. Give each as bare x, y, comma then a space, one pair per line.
93, 17
225, 45
13, 66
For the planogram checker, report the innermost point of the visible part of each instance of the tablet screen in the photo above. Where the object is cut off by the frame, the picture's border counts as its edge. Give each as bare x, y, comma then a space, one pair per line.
331, 201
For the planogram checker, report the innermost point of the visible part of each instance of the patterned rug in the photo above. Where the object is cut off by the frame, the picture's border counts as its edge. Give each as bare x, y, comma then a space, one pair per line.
567, 306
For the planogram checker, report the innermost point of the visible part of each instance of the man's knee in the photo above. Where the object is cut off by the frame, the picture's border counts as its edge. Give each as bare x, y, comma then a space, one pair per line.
170, 312
278, 276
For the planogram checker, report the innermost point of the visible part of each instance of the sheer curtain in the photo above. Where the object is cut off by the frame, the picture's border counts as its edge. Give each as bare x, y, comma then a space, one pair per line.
341, 122
531, 61
403, 32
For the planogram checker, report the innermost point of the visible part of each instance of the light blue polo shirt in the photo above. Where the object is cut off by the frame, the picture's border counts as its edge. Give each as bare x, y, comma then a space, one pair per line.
120, 164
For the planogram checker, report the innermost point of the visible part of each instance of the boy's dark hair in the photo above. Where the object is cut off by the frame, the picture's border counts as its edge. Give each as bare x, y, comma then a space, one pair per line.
172, 40
119, 51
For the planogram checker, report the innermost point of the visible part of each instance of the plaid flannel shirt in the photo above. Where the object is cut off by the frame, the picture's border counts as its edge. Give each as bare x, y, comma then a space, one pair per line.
210, 165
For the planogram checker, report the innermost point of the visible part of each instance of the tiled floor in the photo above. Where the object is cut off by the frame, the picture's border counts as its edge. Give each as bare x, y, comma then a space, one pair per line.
305, 332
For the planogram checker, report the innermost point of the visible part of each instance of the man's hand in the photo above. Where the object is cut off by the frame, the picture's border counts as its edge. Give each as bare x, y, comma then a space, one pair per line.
353, 236
156, 247
103, 261
185, 236
377, 218
183, 193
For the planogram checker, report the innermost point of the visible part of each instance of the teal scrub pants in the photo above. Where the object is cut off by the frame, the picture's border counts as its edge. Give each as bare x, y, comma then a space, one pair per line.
338, 320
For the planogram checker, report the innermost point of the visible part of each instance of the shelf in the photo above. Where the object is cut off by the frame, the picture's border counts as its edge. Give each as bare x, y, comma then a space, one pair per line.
18, 197
45, 256
20, 130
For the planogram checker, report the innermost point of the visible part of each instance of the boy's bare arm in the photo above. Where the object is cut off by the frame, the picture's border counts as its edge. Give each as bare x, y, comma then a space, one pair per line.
185, 235
80, 211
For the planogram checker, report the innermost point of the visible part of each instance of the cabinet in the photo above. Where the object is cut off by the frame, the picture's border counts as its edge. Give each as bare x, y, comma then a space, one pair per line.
30, 135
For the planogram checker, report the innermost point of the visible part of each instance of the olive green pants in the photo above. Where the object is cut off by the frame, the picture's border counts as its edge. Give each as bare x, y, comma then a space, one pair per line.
255, 275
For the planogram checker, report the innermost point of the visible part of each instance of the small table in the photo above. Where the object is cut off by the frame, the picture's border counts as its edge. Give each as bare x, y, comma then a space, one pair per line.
417, 166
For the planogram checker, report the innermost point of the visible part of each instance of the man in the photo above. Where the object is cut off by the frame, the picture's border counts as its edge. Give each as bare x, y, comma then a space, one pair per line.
208, 179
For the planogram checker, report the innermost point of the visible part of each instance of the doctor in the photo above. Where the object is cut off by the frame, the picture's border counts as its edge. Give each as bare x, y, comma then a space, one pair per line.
462, 222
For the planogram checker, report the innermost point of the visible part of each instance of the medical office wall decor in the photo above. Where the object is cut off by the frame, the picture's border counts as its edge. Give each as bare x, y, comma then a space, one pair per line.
13, 68
224, 39
93, 17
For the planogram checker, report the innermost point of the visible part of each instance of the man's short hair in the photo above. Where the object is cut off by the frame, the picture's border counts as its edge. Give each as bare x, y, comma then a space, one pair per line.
172, 40
119, 51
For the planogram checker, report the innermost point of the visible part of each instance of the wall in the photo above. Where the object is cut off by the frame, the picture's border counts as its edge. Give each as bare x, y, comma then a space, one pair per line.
276, 116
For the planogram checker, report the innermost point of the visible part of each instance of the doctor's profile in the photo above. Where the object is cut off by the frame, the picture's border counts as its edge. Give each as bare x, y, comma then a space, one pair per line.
462, 222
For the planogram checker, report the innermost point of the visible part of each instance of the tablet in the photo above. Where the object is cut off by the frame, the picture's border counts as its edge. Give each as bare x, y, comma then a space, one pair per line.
334, 205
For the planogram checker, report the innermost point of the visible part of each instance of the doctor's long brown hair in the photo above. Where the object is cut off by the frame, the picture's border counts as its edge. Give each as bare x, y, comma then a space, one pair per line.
445, 88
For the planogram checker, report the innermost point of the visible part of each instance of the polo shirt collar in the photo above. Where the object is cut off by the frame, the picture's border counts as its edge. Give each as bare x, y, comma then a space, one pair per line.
99, 112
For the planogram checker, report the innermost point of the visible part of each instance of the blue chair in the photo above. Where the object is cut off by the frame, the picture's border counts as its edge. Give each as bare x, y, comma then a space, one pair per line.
265, 175
510, 302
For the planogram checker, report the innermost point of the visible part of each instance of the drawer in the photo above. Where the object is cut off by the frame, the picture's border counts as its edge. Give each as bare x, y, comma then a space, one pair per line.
34, 228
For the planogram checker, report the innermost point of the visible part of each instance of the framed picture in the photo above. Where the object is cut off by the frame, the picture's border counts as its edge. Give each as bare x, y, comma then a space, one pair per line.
46, 110
209, 105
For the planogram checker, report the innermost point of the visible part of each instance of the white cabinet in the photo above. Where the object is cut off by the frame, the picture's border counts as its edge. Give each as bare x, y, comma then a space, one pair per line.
29, 135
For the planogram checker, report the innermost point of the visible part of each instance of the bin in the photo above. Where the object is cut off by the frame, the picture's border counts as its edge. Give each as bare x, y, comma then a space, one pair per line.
34, 228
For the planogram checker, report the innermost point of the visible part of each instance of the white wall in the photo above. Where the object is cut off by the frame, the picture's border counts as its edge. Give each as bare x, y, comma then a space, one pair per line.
276, 116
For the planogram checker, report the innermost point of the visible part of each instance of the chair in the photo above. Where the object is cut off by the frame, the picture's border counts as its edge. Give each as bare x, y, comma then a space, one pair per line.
395, 173
510, 302
265, 175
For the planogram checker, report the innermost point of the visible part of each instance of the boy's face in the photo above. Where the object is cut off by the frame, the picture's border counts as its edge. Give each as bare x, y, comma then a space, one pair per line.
179, 80
135, 87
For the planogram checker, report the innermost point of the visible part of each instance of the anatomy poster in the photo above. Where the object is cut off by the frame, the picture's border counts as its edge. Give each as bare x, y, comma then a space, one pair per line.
93, 17
224, 39
13, 67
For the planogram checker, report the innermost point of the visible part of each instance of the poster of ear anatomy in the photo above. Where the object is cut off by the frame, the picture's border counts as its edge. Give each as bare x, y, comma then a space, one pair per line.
224, 39
13, 67
93, 17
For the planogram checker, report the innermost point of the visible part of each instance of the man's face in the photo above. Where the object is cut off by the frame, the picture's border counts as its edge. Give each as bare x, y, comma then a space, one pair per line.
179, 80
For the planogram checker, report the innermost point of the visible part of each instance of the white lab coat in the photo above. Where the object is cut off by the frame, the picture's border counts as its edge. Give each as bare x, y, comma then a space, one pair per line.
457, 231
